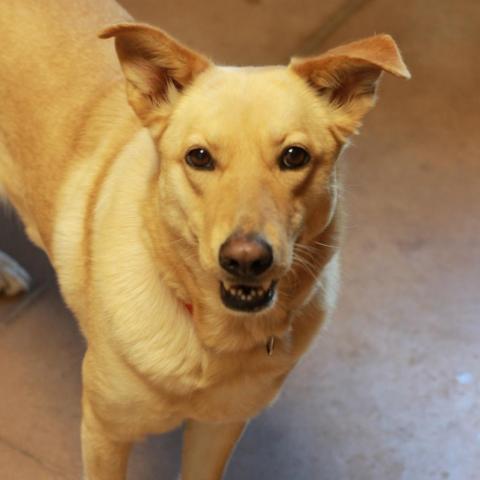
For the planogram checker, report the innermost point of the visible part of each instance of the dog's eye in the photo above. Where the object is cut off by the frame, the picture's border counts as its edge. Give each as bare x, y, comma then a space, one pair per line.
200, 158
293, 157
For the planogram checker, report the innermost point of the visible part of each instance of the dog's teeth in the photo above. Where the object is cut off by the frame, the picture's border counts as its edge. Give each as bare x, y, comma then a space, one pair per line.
246, 293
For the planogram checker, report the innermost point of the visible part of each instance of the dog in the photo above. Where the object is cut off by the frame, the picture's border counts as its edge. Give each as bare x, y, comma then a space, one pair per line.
191, 212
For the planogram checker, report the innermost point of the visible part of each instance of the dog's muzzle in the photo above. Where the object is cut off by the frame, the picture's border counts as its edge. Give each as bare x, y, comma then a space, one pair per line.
246, 258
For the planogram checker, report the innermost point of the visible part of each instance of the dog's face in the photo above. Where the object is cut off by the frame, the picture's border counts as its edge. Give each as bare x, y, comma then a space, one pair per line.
247, 163
247, 155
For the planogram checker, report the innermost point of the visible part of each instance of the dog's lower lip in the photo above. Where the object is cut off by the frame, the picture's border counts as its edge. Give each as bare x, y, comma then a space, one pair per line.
247, 298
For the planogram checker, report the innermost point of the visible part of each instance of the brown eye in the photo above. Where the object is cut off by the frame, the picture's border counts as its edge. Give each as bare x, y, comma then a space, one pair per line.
293, 158
200, 158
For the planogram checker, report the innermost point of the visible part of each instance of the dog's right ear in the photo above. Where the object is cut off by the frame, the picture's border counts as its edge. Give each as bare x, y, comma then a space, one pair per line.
154, 64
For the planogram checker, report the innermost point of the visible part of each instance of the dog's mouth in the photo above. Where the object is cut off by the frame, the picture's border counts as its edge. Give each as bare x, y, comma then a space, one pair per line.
247, 298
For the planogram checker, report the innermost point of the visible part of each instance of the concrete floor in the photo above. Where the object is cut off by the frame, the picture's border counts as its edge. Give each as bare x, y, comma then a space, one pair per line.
391, 390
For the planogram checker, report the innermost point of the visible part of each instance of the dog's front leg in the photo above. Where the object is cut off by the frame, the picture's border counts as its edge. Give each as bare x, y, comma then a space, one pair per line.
207, 448
103, 457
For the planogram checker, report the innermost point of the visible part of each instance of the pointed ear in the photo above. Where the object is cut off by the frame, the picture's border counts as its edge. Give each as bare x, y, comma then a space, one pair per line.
347, 76
154, 64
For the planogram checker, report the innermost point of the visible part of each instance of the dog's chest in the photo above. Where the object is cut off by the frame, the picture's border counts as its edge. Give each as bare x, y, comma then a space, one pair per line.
238, 388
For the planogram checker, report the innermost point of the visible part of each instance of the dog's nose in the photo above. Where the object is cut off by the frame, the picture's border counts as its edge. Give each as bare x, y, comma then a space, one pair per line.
245, 255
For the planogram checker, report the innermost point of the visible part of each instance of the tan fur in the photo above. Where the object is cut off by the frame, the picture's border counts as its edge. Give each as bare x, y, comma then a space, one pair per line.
97, 173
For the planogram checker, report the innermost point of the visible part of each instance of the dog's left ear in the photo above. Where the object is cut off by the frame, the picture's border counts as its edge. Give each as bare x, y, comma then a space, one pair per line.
155, 65
347, 76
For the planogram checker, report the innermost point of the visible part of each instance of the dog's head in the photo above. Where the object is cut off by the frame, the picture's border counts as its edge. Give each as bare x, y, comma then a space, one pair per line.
247, 155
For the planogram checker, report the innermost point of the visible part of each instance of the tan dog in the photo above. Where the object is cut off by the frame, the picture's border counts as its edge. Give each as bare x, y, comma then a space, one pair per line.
192, 218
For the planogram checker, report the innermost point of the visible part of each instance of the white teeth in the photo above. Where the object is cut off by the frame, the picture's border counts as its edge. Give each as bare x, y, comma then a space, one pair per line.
246, 293
236, 292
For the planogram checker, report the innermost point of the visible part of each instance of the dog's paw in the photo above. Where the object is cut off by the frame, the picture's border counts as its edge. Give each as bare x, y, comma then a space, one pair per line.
13, 278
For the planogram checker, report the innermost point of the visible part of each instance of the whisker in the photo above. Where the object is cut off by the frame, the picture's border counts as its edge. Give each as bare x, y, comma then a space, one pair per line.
325, 244
306, 265
310, 268
312, 252
314, 275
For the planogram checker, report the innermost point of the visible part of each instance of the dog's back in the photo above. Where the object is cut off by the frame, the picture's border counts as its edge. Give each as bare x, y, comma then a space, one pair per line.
54, 71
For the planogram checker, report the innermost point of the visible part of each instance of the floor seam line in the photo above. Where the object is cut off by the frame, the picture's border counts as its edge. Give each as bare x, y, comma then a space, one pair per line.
31, 456
315, 41
23, 305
